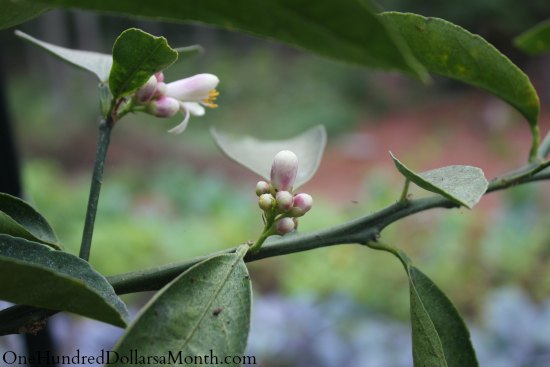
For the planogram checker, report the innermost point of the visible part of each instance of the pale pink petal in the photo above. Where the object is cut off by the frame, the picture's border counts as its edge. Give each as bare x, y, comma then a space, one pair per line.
192, 89
163, 107
195, 108
183, 125
147, 91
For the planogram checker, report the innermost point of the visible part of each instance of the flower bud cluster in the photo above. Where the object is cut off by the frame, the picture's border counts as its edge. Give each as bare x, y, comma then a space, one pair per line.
276, 198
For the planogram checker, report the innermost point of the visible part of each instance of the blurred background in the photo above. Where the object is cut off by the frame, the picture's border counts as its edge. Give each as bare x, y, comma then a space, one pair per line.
167, 198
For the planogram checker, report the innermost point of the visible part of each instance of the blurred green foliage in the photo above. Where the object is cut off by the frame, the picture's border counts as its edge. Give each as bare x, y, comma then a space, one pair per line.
172, 213
155, 209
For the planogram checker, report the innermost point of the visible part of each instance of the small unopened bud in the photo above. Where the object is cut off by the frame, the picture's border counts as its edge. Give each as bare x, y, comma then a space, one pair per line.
266, 201
283, 170
160, 77
285, 225
163, 107
301, 205
262, 187
147, 91
284, 200
161, 90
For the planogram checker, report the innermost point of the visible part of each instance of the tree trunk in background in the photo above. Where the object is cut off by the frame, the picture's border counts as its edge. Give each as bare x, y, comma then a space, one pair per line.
10, 182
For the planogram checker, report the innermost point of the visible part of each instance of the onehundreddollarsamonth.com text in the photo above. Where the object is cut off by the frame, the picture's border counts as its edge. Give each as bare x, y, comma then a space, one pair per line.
133, 357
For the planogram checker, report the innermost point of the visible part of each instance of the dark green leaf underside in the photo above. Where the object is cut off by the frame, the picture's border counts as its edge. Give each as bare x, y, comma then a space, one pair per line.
136, 56
440, 336
19, 219
36, 275
346, 30
535, 40
449, 50
465, 185
206, 308
16, 12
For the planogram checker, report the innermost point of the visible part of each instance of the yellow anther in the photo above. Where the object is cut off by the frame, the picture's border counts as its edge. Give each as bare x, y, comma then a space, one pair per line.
212, 95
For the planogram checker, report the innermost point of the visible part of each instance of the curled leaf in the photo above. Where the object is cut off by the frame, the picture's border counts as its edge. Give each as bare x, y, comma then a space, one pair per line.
19, 219
465, 185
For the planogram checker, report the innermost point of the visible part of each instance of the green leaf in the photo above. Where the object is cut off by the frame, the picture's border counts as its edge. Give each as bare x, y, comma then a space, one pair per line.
449, 50
205, 308
535, 40
257, 155
16, 12
42, 277
94, 62
440, 336
19, 219
136, 56
346, 30
465, 185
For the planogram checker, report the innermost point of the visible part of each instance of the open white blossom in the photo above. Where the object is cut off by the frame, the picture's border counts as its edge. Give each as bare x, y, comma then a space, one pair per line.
189, 95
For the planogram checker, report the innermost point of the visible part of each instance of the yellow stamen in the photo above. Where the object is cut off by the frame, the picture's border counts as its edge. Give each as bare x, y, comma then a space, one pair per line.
212, 95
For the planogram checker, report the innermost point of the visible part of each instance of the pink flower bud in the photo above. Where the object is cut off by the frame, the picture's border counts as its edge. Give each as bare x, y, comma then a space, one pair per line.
161, 90
284, 200
266, 201
262, 187
285, 225
160, 77
147, 91
283, 170
163, 107
301, 205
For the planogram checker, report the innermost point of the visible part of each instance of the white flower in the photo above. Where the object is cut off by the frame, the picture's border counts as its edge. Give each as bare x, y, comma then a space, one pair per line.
192, 94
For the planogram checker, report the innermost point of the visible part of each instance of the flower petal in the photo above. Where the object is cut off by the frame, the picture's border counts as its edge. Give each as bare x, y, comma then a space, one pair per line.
147, 90
183, 125
164, 107
193, 107
192, 89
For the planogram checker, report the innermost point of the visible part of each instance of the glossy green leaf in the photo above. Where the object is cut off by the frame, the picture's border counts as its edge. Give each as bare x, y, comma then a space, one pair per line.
346, 30
535, 40
36, 275
465, 185
449, 50
94, 62
207, 308
440, 336
15, 12
19, 219
257, 155
136, 56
